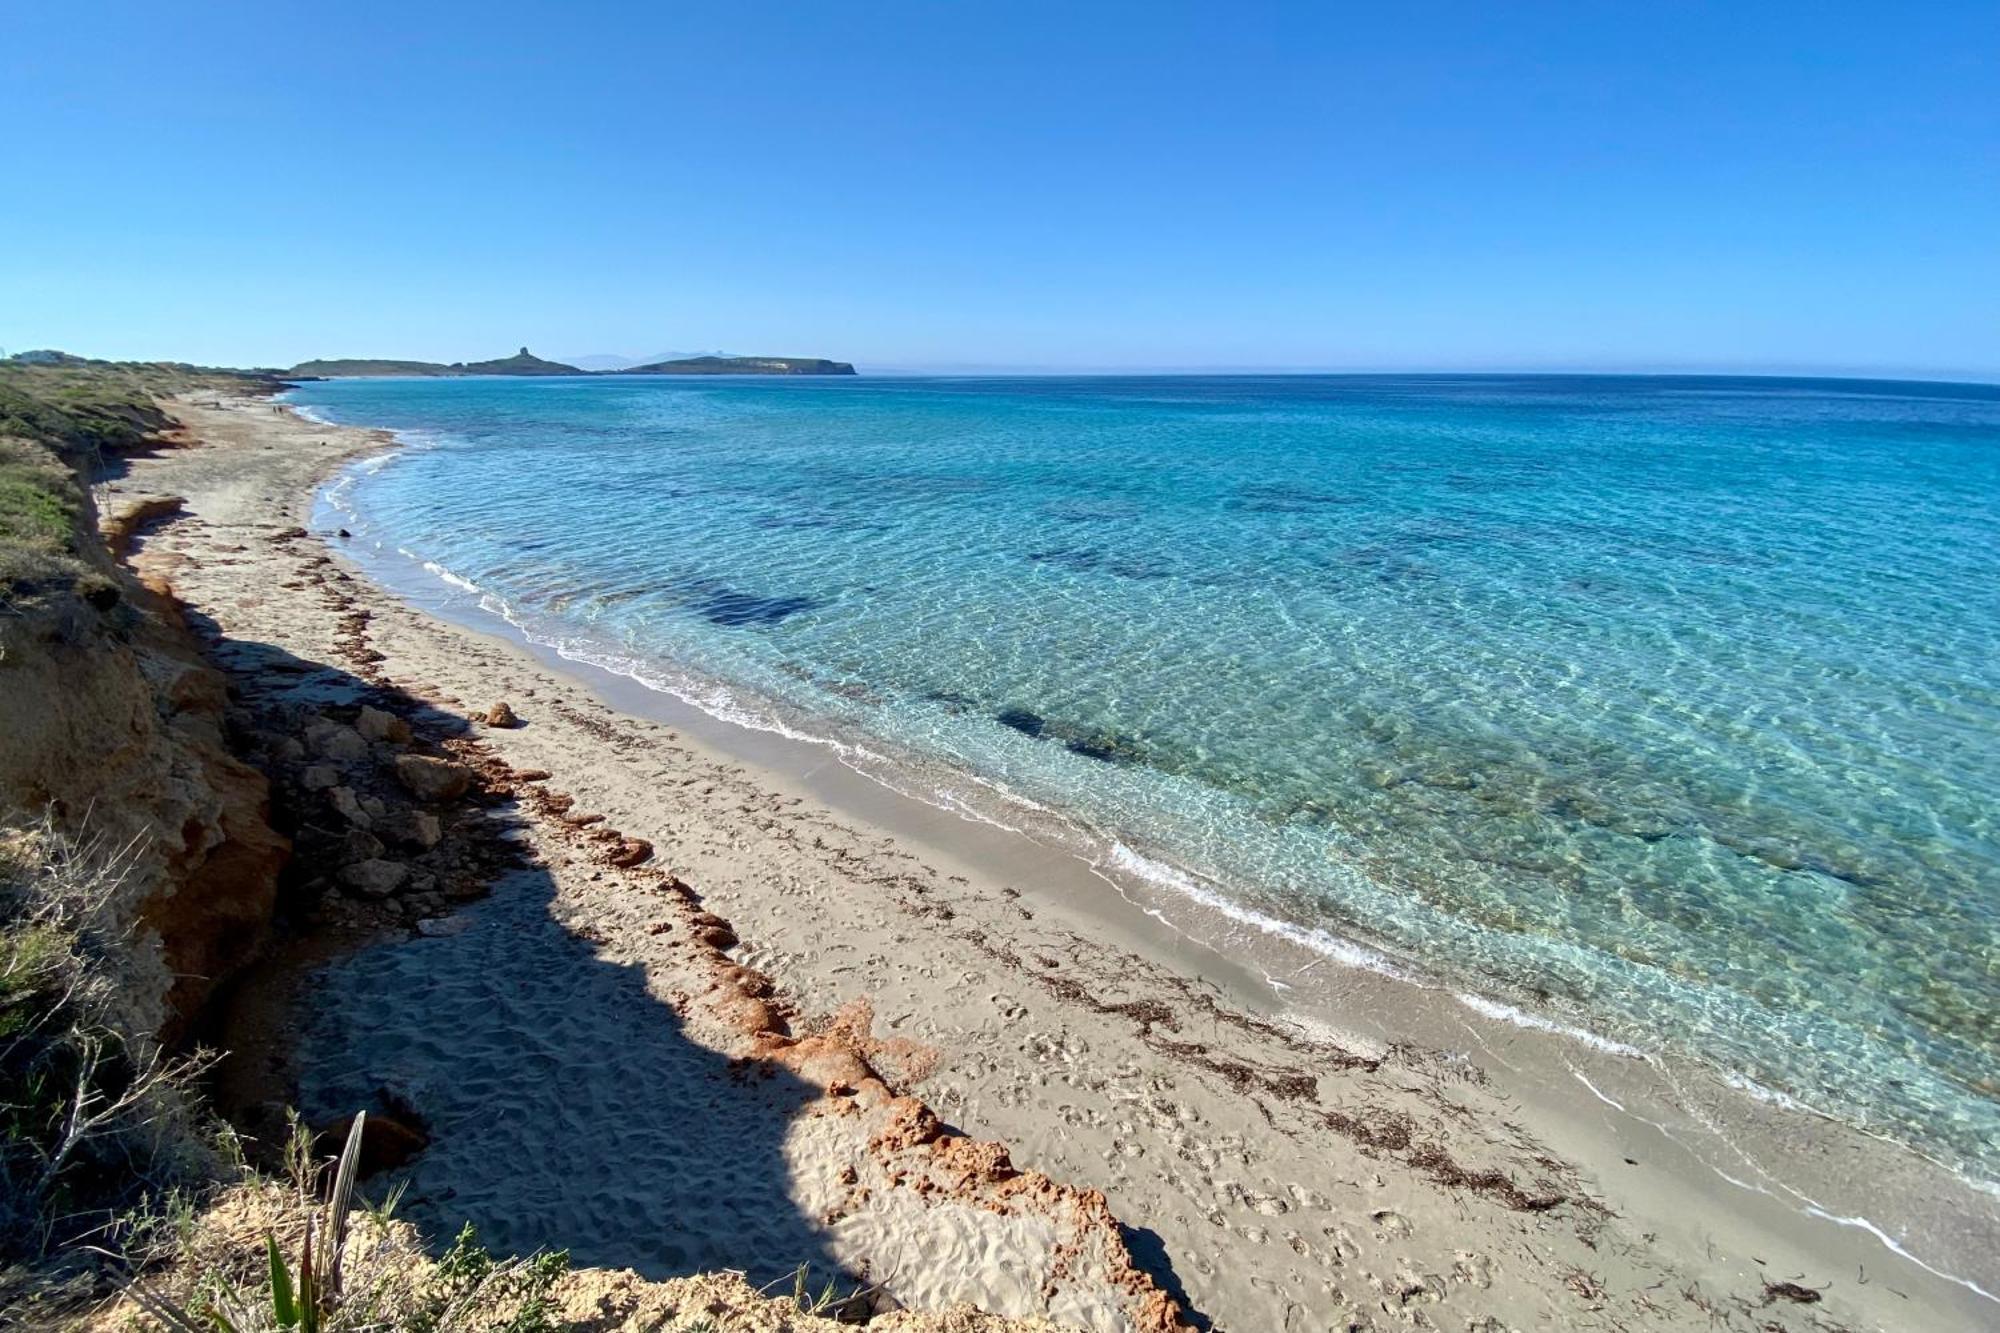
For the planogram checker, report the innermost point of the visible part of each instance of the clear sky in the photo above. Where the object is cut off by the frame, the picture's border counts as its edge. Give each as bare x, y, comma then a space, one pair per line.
1603, 185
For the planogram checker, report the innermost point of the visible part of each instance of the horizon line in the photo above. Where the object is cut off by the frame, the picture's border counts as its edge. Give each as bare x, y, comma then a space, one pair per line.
1984, 378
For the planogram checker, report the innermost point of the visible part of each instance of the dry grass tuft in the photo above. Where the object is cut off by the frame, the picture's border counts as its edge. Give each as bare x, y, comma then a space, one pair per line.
96, 1116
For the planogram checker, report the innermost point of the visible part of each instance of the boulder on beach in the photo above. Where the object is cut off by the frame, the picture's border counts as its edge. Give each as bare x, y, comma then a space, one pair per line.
336, 741
376, 725
431, 779
414, 828
374, 879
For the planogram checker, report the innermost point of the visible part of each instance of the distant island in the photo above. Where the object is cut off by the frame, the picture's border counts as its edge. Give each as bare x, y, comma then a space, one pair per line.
525, 362
741, 365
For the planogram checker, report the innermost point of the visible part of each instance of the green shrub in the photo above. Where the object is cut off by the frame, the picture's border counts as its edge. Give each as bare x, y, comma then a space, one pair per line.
38, 500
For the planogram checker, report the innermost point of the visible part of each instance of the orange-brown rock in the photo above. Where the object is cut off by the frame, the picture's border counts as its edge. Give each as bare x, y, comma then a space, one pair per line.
631, 852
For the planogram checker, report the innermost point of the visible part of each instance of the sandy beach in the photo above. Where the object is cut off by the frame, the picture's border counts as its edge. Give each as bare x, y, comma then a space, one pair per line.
1264, 1140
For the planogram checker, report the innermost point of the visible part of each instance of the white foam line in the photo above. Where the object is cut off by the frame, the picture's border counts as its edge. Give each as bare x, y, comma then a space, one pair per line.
711, 698
1601, 1096
1507, 1013
940, 798
1343, 951
1812, 1207
1758, 1092
722, 704
1322, 942
1864, 1224
445, 575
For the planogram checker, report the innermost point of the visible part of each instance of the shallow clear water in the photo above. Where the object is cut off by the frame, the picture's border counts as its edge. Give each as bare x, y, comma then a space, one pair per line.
1667, 706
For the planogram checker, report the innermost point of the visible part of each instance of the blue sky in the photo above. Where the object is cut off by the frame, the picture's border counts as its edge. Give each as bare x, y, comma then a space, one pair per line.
1065, 186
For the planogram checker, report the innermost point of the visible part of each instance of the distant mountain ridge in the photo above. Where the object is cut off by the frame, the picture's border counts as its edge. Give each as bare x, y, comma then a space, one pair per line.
525, 362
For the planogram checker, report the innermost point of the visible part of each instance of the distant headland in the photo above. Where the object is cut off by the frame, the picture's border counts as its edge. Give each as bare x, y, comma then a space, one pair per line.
525, 362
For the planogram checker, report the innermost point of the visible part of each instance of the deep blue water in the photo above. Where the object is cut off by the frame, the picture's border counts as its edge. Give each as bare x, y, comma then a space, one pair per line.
1670, 706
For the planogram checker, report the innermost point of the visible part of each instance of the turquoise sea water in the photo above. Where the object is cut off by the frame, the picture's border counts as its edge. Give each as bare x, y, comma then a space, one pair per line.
1667, 707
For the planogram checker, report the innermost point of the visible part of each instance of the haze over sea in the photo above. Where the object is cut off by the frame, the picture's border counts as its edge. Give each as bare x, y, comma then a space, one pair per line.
1668, 708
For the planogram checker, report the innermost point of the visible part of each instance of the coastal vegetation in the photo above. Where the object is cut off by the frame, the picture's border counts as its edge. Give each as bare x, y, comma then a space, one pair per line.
63, 418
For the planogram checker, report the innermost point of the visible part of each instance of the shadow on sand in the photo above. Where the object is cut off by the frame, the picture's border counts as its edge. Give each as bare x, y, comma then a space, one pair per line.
567, 1106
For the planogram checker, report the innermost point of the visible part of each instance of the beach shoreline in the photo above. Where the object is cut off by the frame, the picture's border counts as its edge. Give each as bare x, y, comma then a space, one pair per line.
1309, 1196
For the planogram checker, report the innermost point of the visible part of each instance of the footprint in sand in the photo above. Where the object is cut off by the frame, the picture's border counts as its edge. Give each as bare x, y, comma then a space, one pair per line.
1392, 1223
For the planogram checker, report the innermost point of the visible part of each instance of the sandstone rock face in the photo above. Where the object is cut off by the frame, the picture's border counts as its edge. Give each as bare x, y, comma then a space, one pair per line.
431, 779
114, 726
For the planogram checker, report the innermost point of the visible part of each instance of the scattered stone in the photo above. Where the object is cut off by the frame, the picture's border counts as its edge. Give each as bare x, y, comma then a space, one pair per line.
531, 775
501, 714
374, 879
376, 725
336, 741
432, 779
318, 777
631, 852
360, 845
414, 828
464, 888
438, 927
343, 801
713, 931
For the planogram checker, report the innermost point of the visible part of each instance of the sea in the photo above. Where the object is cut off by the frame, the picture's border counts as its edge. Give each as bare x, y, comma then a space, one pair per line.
1660, 710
